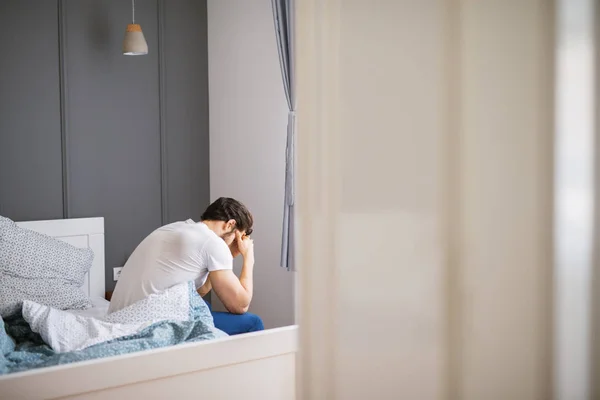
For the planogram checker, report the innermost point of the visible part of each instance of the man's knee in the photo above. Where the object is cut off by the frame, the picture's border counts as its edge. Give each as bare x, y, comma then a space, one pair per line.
255, 322
234, 324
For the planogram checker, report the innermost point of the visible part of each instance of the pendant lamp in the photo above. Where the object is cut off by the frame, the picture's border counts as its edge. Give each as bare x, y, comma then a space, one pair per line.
134, 43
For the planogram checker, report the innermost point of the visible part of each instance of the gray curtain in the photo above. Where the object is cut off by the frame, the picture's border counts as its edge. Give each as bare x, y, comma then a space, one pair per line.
283, 16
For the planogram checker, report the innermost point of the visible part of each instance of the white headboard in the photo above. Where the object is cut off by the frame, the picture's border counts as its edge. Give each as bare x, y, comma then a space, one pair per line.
80, 232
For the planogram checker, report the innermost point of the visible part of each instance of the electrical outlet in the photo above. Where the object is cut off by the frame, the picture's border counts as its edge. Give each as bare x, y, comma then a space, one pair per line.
117, 273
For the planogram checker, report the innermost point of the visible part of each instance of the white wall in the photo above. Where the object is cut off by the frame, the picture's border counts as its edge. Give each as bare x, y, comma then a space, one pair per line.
248, 117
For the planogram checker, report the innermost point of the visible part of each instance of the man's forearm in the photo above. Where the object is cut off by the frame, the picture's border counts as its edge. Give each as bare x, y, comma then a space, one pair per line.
246, 277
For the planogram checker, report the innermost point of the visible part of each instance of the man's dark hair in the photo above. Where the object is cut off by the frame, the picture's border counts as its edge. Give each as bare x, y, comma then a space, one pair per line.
225, 209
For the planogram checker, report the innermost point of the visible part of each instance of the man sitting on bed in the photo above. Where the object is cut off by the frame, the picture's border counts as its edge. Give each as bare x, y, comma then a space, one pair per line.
199, 251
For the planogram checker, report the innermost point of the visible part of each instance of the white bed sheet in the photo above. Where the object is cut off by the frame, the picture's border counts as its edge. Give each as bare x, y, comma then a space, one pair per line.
99, 308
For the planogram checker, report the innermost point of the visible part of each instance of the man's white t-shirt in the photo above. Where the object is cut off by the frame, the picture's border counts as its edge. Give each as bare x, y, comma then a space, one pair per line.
175, 253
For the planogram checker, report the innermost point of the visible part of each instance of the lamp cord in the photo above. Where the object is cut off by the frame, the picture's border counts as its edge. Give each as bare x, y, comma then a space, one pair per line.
133, 11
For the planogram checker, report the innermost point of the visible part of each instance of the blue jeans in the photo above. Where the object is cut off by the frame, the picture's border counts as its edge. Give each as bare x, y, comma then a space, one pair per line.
235, 324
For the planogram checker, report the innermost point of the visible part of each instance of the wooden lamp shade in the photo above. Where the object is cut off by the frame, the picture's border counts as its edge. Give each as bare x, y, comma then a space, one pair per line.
134, 43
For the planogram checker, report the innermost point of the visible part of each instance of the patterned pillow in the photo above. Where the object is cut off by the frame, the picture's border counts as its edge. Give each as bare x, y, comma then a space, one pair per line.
5, 224
40, 268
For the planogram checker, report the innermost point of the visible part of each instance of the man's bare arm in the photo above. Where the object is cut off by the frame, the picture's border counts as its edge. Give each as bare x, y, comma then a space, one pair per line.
236, 293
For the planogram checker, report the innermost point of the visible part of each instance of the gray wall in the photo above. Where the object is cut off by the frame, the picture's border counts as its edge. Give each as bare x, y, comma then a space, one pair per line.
86, 131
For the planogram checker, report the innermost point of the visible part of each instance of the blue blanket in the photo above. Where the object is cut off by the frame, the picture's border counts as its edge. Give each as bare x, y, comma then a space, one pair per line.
22, 349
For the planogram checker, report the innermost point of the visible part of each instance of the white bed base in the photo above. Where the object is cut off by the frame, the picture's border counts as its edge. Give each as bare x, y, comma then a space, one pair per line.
260, 365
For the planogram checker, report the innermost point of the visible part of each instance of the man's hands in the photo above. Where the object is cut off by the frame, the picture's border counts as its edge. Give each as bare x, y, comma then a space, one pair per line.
242, 245
233, 247
245, 245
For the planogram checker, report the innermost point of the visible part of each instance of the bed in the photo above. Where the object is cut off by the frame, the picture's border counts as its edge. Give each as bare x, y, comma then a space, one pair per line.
258, 365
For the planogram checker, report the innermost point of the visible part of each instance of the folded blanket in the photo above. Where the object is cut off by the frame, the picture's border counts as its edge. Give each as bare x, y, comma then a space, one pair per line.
44, 336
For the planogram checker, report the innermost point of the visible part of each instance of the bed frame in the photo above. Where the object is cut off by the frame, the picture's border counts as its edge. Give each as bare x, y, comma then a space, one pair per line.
260, 365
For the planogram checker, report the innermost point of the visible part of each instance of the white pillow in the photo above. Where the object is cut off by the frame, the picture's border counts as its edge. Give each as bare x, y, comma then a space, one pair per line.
40, 268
